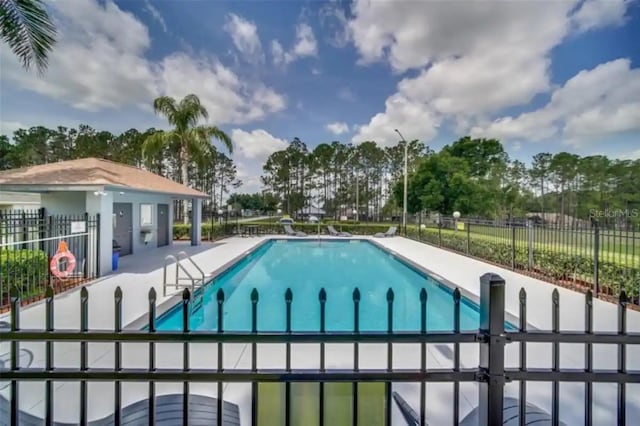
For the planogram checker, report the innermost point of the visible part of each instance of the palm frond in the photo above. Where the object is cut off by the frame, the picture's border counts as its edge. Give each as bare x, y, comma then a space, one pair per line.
167, 107
26, 27
198, 144
212, 132
190, 111
155, 143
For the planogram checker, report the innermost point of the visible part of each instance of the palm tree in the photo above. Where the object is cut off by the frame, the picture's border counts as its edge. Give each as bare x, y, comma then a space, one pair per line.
25, 26
191, 141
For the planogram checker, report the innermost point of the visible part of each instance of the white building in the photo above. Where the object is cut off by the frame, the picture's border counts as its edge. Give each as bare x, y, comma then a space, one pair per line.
135, 206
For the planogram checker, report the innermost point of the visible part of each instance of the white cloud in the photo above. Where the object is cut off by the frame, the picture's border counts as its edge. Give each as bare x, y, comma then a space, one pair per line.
257, 144
590, 105
334, 20
278, 53
228, 98
316, 71
414, 121
595, 14
99, 64
155, 14
249, 174
98, 60
474, 59
244, 35
338, 127
305, 45
346, 94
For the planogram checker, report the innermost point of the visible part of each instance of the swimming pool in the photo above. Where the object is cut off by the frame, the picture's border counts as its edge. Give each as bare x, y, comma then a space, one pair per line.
339, 267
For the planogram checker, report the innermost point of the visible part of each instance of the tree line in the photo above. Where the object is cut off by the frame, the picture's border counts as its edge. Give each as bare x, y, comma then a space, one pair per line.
473, 176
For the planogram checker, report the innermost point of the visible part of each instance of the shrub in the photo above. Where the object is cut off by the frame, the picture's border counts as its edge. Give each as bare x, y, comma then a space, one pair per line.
26, 270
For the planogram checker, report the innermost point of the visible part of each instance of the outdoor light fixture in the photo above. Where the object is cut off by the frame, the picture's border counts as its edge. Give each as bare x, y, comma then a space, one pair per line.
99, 193
456, 216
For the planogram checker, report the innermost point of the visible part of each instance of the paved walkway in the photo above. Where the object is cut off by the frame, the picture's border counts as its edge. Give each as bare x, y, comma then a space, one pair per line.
138, 274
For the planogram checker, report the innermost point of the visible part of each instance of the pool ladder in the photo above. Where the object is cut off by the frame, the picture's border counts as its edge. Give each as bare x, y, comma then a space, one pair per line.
187, 281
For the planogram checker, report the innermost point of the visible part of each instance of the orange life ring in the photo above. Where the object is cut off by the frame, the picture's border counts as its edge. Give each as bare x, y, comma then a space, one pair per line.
62, 253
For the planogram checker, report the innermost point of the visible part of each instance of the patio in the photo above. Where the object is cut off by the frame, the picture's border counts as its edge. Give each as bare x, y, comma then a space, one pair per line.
138, 273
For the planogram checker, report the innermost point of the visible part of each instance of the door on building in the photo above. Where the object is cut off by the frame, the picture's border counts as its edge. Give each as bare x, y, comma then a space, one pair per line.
123, 226
163, 225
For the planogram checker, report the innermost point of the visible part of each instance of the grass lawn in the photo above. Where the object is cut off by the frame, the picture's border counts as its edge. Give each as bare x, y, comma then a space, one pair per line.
305, 409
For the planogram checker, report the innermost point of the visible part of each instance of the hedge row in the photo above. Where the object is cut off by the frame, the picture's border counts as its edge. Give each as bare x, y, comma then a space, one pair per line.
555, 264
26, 270
182, 231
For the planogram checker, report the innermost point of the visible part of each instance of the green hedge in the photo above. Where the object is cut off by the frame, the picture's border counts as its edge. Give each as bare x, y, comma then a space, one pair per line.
182, 231
555, 264
26, 270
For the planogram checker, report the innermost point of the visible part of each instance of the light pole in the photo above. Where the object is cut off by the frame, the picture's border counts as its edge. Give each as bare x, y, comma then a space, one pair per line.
456, 216
404, 204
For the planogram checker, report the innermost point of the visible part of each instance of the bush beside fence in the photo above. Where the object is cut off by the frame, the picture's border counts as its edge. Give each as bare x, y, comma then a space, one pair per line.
182, 231
26, 270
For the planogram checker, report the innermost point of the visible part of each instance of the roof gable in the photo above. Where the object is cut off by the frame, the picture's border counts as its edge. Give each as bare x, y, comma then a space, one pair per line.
96, 172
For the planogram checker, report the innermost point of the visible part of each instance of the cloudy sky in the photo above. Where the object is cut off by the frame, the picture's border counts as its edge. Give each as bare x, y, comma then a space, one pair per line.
541, 76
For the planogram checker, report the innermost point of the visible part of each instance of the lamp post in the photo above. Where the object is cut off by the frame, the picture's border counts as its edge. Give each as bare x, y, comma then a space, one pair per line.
404, 203
456, 216
355, 212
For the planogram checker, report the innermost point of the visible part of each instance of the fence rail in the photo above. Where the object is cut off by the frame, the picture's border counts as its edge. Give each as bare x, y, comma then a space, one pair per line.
491, 375
28, 242
580, 257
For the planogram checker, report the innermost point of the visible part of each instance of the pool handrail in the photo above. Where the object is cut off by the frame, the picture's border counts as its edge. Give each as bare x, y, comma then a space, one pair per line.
179, 266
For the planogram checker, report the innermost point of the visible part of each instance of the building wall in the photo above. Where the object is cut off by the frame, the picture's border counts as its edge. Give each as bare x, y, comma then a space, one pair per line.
136, 199
103, 204
64, 202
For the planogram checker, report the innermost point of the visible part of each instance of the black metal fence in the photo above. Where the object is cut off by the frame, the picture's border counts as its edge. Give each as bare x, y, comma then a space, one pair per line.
29, 241
577, 255
491, 375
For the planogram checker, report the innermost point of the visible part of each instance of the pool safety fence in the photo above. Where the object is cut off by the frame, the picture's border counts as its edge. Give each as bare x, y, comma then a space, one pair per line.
31, 253
491, 374
580, 255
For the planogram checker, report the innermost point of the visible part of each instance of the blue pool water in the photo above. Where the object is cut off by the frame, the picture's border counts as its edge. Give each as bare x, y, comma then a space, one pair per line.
339, 267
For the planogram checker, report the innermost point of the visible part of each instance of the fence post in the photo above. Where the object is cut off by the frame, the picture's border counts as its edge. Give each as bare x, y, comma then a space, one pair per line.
49, 245
439, 233
25, 230
596, 260
468, 237
42, 230
513, 246
491, 390
98, 226
530, 236
420, 226
86, 245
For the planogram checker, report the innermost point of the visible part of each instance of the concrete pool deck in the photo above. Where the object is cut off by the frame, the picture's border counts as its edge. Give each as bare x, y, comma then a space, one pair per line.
138, 274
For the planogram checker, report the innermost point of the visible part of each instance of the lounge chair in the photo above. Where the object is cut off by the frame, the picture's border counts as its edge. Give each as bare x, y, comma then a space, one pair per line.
289, 231
390, 233
334, 233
